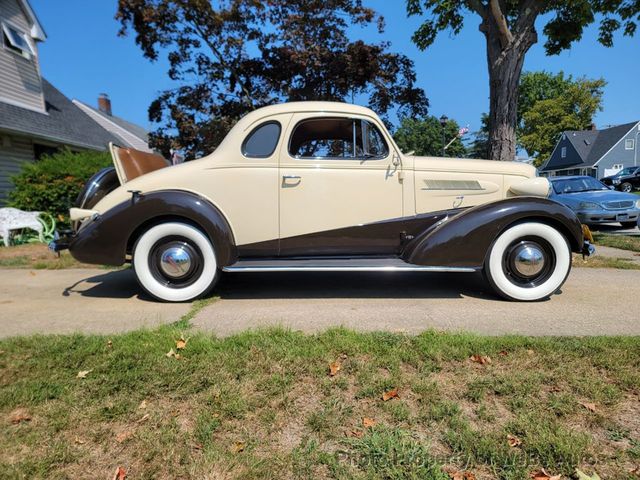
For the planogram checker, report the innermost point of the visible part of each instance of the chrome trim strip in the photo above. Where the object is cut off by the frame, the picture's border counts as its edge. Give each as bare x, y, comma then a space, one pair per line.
319, 268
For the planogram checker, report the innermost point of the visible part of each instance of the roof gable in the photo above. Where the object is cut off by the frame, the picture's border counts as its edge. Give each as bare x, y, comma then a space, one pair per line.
36, 32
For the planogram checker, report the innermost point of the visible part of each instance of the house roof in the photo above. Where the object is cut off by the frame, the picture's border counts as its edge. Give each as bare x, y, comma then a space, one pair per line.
132, 135
63, 122
37, 32
591, 145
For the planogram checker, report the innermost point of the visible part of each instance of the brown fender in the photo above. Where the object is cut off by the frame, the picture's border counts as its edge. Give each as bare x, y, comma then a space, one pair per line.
107, 239
465, 239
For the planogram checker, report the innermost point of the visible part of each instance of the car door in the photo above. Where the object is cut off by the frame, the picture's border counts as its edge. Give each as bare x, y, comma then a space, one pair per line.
339, 178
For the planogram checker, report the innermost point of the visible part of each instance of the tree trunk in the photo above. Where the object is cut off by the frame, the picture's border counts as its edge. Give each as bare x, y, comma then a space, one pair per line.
505, 67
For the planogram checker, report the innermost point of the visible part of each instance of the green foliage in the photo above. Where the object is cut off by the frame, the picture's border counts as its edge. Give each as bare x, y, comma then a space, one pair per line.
232, 57
479, 147
52, 184
424, 136
552, 104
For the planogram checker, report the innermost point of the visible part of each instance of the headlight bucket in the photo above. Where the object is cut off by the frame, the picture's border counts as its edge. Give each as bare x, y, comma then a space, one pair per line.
588, 206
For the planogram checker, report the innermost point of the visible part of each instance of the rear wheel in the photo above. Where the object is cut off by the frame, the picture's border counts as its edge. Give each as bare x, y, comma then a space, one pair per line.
626, 187
528, 262
175, 262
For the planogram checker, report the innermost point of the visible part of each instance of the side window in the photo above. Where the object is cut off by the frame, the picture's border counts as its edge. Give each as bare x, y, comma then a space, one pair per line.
337, 138
262, 141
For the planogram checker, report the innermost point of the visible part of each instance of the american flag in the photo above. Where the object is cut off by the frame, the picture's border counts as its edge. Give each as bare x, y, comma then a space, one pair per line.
463, 131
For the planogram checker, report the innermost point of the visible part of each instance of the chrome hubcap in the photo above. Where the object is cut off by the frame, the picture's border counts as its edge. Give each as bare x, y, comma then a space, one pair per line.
528, 260
175, 262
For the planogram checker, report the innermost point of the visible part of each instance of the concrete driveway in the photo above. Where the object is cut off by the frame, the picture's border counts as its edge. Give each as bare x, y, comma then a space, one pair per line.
77, 300
593, 302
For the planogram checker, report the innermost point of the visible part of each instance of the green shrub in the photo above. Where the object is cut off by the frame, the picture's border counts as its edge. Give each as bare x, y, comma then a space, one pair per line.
52, 184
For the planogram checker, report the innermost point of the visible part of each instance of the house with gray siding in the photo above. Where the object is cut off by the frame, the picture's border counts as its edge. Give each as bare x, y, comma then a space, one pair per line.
36, 119
597, 153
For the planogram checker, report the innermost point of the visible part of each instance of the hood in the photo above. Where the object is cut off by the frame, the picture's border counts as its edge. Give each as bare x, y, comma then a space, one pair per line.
478, 166
599, 196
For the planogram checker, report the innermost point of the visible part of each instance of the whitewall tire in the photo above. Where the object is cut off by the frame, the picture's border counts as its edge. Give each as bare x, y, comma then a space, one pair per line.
175, 262
529, 261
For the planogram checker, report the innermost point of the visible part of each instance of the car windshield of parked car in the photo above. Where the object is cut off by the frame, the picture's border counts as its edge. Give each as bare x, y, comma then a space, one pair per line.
342, 138
625, 171
576, 185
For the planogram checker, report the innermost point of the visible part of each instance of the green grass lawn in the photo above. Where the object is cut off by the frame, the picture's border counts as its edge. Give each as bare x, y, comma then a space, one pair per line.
623, 242
264, 405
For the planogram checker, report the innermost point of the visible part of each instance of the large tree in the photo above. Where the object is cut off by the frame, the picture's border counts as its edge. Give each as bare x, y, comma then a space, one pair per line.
551, 104
509, 27
229, 57
424, 137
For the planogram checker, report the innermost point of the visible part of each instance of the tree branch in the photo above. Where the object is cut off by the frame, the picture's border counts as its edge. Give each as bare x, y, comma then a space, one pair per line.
478, 7
528, 12
506, 37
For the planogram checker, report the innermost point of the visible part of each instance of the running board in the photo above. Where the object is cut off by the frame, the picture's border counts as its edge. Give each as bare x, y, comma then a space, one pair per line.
337, 265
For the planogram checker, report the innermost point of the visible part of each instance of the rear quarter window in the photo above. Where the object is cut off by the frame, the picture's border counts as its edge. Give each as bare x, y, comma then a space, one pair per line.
262, 141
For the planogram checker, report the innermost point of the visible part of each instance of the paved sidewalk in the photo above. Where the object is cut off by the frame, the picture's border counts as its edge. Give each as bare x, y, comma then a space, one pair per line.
592, 302
77, 300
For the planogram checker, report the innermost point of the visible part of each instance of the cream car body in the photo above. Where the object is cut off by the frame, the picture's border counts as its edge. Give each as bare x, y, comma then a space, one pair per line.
329, 212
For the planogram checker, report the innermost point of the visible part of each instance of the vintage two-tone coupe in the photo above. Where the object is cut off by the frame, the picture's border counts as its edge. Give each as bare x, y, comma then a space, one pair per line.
314, 187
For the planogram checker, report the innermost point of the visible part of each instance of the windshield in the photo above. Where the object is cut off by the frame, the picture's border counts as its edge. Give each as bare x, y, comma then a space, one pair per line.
575, 185
625, 171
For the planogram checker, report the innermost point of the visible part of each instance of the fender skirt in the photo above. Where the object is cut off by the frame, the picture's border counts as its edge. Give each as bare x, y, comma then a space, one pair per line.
464, 240
107, 239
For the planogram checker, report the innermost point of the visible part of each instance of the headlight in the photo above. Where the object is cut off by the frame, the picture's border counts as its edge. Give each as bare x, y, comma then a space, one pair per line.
588, 206
616, 181
638, 204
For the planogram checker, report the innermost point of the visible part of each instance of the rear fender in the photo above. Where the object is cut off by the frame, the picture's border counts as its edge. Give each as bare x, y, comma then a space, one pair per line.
106, 238
465, 239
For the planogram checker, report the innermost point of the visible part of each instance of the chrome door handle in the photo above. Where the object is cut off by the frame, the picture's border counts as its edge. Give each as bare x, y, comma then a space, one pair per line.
291, 180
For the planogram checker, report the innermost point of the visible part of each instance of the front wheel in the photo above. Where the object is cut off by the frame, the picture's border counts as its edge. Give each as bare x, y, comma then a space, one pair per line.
626, 187
528, 262
175, 262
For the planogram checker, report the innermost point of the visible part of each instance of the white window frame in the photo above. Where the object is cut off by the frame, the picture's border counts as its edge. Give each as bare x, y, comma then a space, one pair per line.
630, 144
563, 152
13, 47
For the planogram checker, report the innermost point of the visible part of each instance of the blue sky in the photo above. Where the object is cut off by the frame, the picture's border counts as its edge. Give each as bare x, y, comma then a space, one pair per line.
83, 56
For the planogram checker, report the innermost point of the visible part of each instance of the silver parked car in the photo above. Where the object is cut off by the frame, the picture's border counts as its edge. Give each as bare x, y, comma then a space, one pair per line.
596, 203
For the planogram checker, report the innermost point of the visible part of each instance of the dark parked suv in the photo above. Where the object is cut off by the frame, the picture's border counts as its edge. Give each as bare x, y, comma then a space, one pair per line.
626, 180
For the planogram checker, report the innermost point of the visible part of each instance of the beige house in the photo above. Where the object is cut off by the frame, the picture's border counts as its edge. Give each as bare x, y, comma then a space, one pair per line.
36, 119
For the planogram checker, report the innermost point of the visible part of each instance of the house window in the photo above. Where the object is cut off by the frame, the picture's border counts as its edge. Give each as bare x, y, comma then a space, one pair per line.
563, 152
629, 144
41, 151
17, 41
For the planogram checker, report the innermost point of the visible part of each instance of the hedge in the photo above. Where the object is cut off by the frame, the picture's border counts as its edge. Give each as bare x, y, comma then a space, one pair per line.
52, 184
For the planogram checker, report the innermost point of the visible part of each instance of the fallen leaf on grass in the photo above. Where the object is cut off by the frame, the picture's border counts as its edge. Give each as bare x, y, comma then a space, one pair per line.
334, 368
368, 422
635, 472
390, 394
589, 406
584, 476
144, 418
83, 373
513, 441
355, 433
481, 359
79, 441
503, 353
182, 343
124, 436
456, 474
19, 415
238, 447
543, 475
109, 344
172, 353
143, 404
120, 474
32, 273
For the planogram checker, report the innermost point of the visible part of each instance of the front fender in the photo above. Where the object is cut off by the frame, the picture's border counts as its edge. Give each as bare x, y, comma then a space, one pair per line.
465, 239
105, 239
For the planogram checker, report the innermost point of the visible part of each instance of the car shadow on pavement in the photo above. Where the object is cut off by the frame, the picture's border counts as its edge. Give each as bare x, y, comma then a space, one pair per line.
111, 284
242, 286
